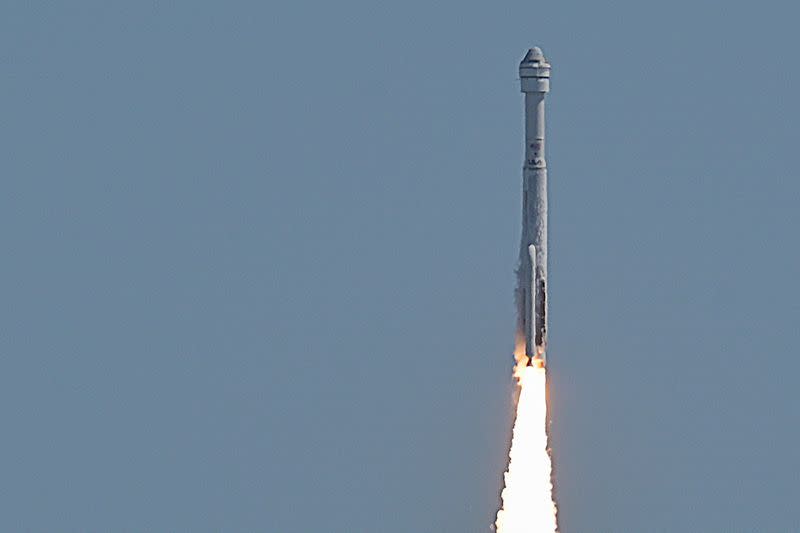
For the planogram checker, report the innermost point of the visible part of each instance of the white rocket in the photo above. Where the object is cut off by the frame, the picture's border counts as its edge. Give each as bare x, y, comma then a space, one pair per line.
534, 74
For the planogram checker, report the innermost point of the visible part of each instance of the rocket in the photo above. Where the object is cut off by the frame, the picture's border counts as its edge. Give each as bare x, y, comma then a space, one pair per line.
534, 74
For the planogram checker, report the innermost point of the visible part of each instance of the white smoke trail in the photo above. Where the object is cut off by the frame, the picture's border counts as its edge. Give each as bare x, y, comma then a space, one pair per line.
528, 505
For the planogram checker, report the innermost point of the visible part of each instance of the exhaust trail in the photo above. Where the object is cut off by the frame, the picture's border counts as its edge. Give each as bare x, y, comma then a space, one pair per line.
528, 505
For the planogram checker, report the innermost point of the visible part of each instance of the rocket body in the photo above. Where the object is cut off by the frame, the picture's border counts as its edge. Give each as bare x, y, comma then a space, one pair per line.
534, 72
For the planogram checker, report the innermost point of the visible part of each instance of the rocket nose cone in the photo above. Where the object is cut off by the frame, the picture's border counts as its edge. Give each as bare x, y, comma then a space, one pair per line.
534, 72
534, 54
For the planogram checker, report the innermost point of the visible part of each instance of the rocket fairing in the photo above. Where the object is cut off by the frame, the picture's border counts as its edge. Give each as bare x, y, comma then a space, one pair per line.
534, 73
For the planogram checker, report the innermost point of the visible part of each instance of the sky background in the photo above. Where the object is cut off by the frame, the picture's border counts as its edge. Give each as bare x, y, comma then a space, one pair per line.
258, 264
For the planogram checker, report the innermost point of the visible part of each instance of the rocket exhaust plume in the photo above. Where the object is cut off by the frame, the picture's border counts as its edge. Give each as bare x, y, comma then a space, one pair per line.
527, 499
528, 505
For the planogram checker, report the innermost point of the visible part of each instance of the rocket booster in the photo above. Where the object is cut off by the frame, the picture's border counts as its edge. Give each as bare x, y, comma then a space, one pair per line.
534, 73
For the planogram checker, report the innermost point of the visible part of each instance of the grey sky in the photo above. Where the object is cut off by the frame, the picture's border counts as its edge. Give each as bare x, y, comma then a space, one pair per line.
258, 264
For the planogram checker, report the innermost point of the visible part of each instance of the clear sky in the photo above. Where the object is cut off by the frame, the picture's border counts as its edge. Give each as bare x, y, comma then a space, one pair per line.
258, 264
